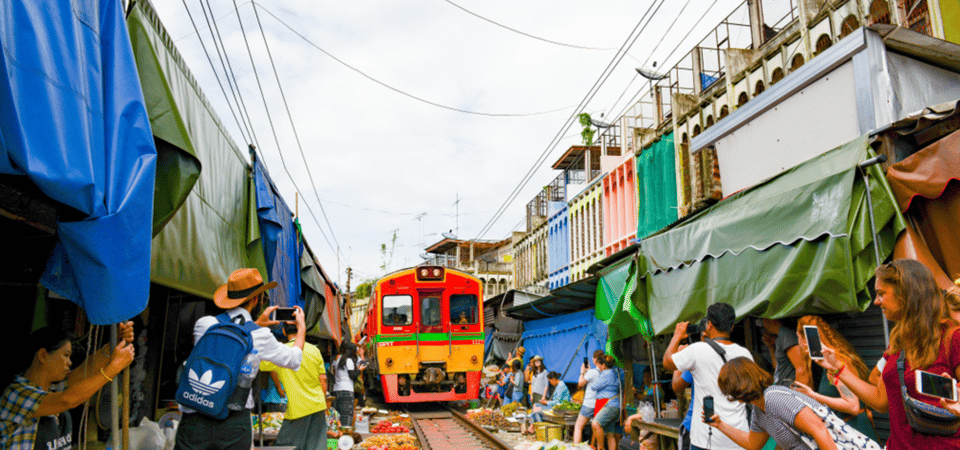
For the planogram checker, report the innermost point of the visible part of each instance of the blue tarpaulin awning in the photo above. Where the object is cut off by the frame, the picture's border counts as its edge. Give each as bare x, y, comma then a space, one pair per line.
281, 250
74, 123
558, 340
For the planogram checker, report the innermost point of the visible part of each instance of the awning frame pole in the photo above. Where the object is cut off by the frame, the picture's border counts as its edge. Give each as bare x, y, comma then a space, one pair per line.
653, 373
876, 244
574, 355
114, 392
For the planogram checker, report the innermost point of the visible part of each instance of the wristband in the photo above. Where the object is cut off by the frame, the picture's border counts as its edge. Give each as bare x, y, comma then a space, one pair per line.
105, 375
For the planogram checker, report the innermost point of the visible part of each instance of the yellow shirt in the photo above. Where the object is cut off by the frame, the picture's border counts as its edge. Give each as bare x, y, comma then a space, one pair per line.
305, 394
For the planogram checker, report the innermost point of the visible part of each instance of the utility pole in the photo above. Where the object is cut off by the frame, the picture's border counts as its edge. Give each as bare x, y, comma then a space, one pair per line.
349, 295
457, 205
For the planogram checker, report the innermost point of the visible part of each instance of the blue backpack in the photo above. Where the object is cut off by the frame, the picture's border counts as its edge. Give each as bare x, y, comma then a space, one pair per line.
210, 374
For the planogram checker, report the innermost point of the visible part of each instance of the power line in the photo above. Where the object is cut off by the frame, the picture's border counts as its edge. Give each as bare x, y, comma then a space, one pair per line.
215, 20
397, 90
277, 139
590, 94
214, 69
521, 32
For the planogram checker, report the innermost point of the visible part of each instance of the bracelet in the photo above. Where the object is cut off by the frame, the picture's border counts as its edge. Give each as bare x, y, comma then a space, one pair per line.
105, 375
836, 376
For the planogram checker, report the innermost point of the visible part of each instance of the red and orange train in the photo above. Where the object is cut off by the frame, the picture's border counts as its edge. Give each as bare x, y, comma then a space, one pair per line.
425, 335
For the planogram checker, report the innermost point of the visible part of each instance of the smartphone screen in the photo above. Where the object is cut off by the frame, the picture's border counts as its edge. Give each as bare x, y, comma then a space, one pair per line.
936, 385
585, 364
707, 409
284, 314
814, 348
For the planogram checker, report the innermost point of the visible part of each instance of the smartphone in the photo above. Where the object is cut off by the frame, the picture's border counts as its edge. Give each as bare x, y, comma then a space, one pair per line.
708, 409
814, 348
936, 385
284, 314
585, 364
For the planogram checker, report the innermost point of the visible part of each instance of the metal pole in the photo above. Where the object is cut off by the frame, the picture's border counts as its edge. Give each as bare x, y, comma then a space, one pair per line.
114, 393
876, 238
653, 374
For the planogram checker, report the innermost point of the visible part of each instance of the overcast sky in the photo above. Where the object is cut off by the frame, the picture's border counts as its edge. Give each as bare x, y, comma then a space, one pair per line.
381, 159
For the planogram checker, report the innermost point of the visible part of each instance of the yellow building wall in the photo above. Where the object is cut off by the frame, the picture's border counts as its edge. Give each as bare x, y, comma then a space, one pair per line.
950, 15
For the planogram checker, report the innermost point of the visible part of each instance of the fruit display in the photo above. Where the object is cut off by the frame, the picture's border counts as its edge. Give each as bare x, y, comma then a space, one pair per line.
510, 408
391, 442
386, 426
271, 422
567, 406
488, 417
393, 417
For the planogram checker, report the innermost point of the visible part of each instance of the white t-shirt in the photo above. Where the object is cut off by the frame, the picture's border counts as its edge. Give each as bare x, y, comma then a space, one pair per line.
342, 382
704, 363
590, 395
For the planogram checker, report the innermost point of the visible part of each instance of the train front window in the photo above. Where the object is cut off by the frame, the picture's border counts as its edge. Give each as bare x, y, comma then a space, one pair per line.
397, 310
463, 309
429, 311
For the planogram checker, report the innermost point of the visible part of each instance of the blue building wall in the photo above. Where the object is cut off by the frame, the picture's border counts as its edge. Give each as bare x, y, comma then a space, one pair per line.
558, 245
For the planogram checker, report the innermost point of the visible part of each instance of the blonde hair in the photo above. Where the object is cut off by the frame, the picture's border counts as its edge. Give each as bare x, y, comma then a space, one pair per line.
833, 339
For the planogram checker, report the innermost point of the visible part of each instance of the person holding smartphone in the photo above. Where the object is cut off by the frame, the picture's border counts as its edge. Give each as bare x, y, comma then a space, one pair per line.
703, 360
793, 420
831, 392
587, 376
909, 297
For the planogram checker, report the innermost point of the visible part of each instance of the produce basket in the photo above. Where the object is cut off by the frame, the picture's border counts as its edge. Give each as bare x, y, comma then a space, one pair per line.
547, 432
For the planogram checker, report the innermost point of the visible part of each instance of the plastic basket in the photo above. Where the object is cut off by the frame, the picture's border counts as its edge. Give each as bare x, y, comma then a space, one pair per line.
331, 444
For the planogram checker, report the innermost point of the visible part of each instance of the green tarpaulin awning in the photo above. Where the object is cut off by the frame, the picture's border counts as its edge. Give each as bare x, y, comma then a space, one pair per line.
618, 282
215, 231
799, 243
656, 187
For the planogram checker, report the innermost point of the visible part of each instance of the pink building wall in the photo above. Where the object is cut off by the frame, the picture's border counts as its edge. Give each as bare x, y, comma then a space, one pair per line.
619, 207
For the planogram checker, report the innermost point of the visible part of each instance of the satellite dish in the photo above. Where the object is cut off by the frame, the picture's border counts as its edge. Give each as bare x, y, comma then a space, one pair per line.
448, 235
426, 256
651, 75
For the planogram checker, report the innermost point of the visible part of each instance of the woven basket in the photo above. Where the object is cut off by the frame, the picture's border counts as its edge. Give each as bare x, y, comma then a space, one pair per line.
547, 432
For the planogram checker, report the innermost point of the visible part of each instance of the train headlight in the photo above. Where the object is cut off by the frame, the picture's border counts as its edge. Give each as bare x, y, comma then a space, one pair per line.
430, 273
389, 362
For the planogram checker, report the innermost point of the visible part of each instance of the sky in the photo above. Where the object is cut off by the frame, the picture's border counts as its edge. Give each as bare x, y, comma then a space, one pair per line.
435, 111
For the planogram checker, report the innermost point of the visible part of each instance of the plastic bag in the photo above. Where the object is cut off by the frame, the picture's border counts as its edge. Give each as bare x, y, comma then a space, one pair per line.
147, 436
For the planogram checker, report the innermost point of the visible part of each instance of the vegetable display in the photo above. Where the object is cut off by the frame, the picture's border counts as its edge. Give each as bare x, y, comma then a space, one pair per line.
567, 406
510, 408
488, 417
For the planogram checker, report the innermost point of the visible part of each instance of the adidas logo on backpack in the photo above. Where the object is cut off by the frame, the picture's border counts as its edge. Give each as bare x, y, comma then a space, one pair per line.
217, 358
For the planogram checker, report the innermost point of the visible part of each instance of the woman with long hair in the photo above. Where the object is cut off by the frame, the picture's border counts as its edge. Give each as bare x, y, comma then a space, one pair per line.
792, 419
538, 380
832, 393
345, 372
34, 407
908, 295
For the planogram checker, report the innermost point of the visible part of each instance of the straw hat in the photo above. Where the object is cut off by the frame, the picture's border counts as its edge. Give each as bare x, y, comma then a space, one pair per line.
242, 285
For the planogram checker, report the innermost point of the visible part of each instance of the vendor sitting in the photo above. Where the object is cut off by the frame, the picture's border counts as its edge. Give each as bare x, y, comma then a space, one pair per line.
560, 394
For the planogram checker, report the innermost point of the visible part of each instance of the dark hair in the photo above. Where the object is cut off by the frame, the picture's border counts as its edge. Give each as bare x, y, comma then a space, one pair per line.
348, 350
517, 365
553, 376
743, 380
722, 316
48, 338
289, 328
597, 354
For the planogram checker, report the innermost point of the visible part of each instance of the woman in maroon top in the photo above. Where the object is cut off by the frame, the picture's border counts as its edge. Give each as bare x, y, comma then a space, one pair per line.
909, 296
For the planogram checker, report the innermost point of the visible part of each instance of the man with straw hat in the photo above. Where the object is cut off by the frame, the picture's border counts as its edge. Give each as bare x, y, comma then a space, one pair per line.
242, 296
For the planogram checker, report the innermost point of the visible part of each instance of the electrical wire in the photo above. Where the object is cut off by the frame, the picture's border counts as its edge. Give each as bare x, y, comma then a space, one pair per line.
631, 39
521, 32
399, 91
230, 74
235, 10
293, 126
276, 139
214, 69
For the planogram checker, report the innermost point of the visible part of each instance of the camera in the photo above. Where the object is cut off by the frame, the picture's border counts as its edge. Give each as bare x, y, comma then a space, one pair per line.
694, 332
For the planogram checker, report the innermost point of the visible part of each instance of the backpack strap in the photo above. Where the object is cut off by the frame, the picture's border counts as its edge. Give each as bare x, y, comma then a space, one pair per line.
239, 320
717, 348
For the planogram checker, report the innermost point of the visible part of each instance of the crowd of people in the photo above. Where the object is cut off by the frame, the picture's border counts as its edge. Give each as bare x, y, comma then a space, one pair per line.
735, 402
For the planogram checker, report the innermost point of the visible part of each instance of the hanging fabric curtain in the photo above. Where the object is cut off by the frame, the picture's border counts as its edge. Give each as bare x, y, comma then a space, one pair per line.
279, 234
657, 187
75, 124
614, 304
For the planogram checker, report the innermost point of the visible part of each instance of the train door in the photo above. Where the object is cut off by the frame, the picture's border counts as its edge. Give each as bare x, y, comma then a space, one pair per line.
431, 312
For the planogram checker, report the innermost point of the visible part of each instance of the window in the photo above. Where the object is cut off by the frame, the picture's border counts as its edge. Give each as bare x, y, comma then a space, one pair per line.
777, 75
849, 24
879, 12
463, 309
796, 62
823, 43
742, 99
397, 310
724, 111
759, 89
430, 310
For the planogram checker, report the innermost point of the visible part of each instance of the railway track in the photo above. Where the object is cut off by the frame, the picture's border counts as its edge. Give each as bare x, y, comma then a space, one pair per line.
447, 429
